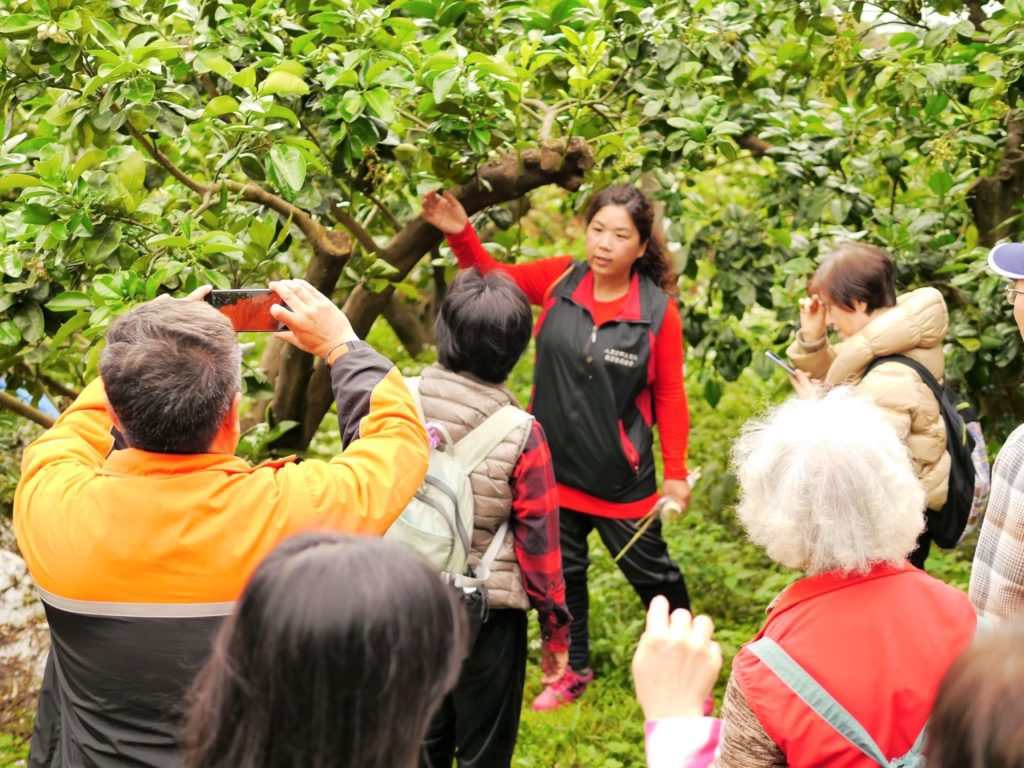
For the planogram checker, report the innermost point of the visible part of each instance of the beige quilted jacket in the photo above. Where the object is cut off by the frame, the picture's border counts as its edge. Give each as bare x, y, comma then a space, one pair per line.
915, 327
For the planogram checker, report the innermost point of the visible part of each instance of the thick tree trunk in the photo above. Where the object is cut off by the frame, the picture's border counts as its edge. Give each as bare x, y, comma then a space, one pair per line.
295, 373
995, 199
407, 324
508, 178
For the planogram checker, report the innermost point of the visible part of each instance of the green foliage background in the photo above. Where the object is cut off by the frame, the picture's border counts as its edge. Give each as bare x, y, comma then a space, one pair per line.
150, 145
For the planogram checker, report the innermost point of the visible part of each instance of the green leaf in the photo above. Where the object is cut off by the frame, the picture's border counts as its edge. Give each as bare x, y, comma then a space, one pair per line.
167, 241
825, 25
139, 89
19, 181
10, 263
70, 20
30, 321
70, 327
969, 343
351, 106
245, 79
69, 301
16, 23
221, 105
381, 104
443, 84
289, 165
217, 64
940, 183
283, 82
85, 162
132, 172
33, 213
10, 336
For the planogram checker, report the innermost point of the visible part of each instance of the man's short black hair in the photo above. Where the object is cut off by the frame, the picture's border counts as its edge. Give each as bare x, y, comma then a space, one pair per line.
484, 325
171, 370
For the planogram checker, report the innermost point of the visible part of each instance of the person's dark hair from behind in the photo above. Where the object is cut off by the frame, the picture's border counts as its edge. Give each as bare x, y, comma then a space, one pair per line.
337, 655
654, 263
856, 272
978, 718
170, 370
484, 325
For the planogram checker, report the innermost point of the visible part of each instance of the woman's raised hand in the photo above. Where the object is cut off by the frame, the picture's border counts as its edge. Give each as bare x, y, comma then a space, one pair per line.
812, 318
443, 211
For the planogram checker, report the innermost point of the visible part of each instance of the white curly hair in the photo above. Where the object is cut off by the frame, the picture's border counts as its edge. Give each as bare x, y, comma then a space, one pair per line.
826, 484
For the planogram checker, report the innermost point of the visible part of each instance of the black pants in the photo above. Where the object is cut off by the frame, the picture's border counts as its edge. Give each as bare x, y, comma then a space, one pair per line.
478, 722
647, 566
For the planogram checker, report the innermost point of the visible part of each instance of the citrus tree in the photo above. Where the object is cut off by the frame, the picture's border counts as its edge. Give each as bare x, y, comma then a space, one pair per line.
150, 147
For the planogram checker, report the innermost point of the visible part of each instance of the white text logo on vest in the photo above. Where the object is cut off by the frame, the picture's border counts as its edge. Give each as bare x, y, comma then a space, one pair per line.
617, 356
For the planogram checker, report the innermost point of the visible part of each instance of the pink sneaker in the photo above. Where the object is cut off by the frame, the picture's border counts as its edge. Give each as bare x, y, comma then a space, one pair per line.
565, 691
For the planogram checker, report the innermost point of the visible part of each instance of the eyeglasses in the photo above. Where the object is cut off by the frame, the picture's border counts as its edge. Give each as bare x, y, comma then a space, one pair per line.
1011, 291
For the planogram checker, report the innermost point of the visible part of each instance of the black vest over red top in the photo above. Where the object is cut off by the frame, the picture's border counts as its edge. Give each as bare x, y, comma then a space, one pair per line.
592, 386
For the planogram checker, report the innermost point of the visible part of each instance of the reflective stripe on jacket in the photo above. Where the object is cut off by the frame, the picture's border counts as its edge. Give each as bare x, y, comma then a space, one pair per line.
139, 555
880, 643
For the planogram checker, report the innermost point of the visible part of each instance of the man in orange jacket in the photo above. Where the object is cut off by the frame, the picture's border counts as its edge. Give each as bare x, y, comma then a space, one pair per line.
139, 550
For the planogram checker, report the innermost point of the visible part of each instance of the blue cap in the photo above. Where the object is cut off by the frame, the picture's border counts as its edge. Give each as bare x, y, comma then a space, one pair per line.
1007, 259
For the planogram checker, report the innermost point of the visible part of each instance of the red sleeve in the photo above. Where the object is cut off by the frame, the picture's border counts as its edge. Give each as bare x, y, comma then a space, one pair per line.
670, 394
534, 523
533, 278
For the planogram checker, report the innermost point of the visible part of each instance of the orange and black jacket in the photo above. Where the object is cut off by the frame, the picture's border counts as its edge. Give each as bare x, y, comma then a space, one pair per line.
138, 556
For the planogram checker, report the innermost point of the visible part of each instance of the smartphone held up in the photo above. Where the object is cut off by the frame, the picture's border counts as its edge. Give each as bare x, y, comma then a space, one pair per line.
248, 309
780, 362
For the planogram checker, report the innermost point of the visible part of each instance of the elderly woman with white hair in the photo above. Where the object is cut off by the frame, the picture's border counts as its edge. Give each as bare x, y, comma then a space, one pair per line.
846, 667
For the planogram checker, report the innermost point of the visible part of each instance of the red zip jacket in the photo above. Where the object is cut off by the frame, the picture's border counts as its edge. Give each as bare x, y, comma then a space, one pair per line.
536, 279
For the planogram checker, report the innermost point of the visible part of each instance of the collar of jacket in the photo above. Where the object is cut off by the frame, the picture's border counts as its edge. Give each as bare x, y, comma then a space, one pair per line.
918, 321
132, 461
631, 310
811, 587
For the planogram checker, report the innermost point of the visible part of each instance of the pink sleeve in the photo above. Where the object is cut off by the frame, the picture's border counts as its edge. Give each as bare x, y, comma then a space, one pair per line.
533, 278
682, 742
669, 392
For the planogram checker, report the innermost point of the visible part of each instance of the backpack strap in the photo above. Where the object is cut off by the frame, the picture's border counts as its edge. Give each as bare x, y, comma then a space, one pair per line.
930, 381
481, 441
819, 700
473, 448
926, 376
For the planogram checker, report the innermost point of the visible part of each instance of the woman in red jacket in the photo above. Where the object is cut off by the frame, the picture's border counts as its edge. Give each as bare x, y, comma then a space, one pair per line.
609, 366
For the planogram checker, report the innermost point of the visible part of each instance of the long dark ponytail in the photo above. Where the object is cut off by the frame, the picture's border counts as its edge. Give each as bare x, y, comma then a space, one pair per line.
654, 263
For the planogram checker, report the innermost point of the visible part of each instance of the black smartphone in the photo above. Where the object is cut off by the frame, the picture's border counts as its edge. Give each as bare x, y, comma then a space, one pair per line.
780, 362
248, 309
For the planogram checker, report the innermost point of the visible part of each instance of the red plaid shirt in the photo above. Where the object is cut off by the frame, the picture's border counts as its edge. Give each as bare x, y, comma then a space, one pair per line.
534, 524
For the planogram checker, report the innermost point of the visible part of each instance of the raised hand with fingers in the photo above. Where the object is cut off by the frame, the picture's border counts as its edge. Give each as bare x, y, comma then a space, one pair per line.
812, 317
676, 663
443, 211
315, 324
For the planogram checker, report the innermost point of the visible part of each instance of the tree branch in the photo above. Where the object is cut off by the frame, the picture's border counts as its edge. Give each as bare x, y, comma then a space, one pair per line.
758, 147
355, 229
507, 178
25, 410
328, 241
976, 13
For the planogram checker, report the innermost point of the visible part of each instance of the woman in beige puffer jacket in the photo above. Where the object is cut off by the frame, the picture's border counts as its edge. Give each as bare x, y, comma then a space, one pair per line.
853, 292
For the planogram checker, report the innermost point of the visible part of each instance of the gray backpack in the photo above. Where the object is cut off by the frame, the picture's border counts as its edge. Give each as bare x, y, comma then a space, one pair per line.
438, 522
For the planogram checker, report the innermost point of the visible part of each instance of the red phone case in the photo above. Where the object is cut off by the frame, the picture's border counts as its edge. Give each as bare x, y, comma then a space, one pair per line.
248, 310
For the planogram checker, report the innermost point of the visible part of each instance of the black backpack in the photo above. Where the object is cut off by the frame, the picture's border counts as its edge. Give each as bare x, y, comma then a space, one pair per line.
947, 524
